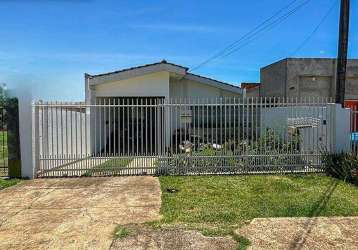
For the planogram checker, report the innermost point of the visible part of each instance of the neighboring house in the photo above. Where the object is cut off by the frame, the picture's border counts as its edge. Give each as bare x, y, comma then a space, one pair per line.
252, 89
159, 80
307, 77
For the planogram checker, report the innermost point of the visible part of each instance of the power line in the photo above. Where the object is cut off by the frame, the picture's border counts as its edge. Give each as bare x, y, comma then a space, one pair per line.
304, 42
233, 44
261, 27
267, 28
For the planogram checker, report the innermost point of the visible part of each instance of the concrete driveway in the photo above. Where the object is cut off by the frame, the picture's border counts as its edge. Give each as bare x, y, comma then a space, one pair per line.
74, 213
302, 233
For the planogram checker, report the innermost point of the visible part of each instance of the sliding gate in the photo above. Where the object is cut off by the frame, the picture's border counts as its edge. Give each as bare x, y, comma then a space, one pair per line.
148, 136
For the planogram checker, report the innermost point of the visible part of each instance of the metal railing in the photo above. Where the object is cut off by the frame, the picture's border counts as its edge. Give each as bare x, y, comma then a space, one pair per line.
354, 130
136, 136
3, 140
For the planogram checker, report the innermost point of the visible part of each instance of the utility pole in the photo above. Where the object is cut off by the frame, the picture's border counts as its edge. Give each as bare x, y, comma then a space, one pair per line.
342, 51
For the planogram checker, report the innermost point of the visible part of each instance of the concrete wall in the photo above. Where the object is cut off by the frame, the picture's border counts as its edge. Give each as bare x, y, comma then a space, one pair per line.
273, 79
310, 77
26, 127
307, 77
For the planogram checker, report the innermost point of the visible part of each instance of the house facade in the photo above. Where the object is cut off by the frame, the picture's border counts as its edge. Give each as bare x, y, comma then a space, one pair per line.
157, 80
138, 90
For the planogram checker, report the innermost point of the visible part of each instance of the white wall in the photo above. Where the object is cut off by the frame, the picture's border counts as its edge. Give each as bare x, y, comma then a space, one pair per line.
333, 133
159, 84
342, 128
314, 139
150, 85
184, 88
26, 134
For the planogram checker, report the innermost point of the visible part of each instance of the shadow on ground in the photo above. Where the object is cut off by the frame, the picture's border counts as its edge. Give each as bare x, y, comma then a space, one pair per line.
299, 241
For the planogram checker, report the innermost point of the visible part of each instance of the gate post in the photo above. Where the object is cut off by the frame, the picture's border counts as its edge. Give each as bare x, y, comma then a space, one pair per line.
341, 129
25, 125
35, 138
13, 142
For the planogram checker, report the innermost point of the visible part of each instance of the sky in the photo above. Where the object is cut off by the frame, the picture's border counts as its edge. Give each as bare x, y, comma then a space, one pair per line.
48, 45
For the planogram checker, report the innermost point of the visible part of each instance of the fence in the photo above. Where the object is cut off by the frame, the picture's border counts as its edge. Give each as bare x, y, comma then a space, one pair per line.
3, 140
354, 129
10, 157
136, 136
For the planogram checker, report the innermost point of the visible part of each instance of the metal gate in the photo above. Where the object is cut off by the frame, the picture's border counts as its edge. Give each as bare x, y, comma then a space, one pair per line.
10, 157
139, 136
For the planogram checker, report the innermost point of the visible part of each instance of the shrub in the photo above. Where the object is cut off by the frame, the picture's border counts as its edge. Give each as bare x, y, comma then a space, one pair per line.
342, 166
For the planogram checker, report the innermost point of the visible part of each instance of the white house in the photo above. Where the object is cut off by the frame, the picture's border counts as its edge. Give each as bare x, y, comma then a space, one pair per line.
163, 80
147, 84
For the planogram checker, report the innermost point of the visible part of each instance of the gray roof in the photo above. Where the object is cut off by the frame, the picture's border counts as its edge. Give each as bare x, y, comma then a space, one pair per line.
157, 67
138, 67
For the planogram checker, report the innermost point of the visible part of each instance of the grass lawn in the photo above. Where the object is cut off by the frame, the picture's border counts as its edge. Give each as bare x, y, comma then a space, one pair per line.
216, 205
4, 183
113, 166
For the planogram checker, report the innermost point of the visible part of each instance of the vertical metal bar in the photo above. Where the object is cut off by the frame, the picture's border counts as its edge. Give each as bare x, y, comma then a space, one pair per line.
35, 137
212, 121
128, 118
56, 123
151, 126
137, 126
115, 127
76, 136
109, 133
175, 108
42, 165
119, 128
99, 101
142, 122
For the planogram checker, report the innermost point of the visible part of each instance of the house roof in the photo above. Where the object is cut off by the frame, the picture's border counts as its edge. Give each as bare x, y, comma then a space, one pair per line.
139, 67
157, 67
249, 85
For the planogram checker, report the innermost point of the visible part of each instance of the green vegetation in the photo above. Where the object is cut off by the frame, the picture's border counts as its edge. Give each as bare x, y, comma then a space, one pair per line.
121, 232
243, 242
3, 148
270, 151
4, 183
217, 205
342, 166
113, 167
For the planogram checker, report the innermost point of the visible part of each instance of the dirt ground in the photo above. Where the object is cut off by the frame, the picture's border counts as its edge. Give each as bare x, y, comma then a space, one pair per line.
302, 233
74, 213
143, 237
